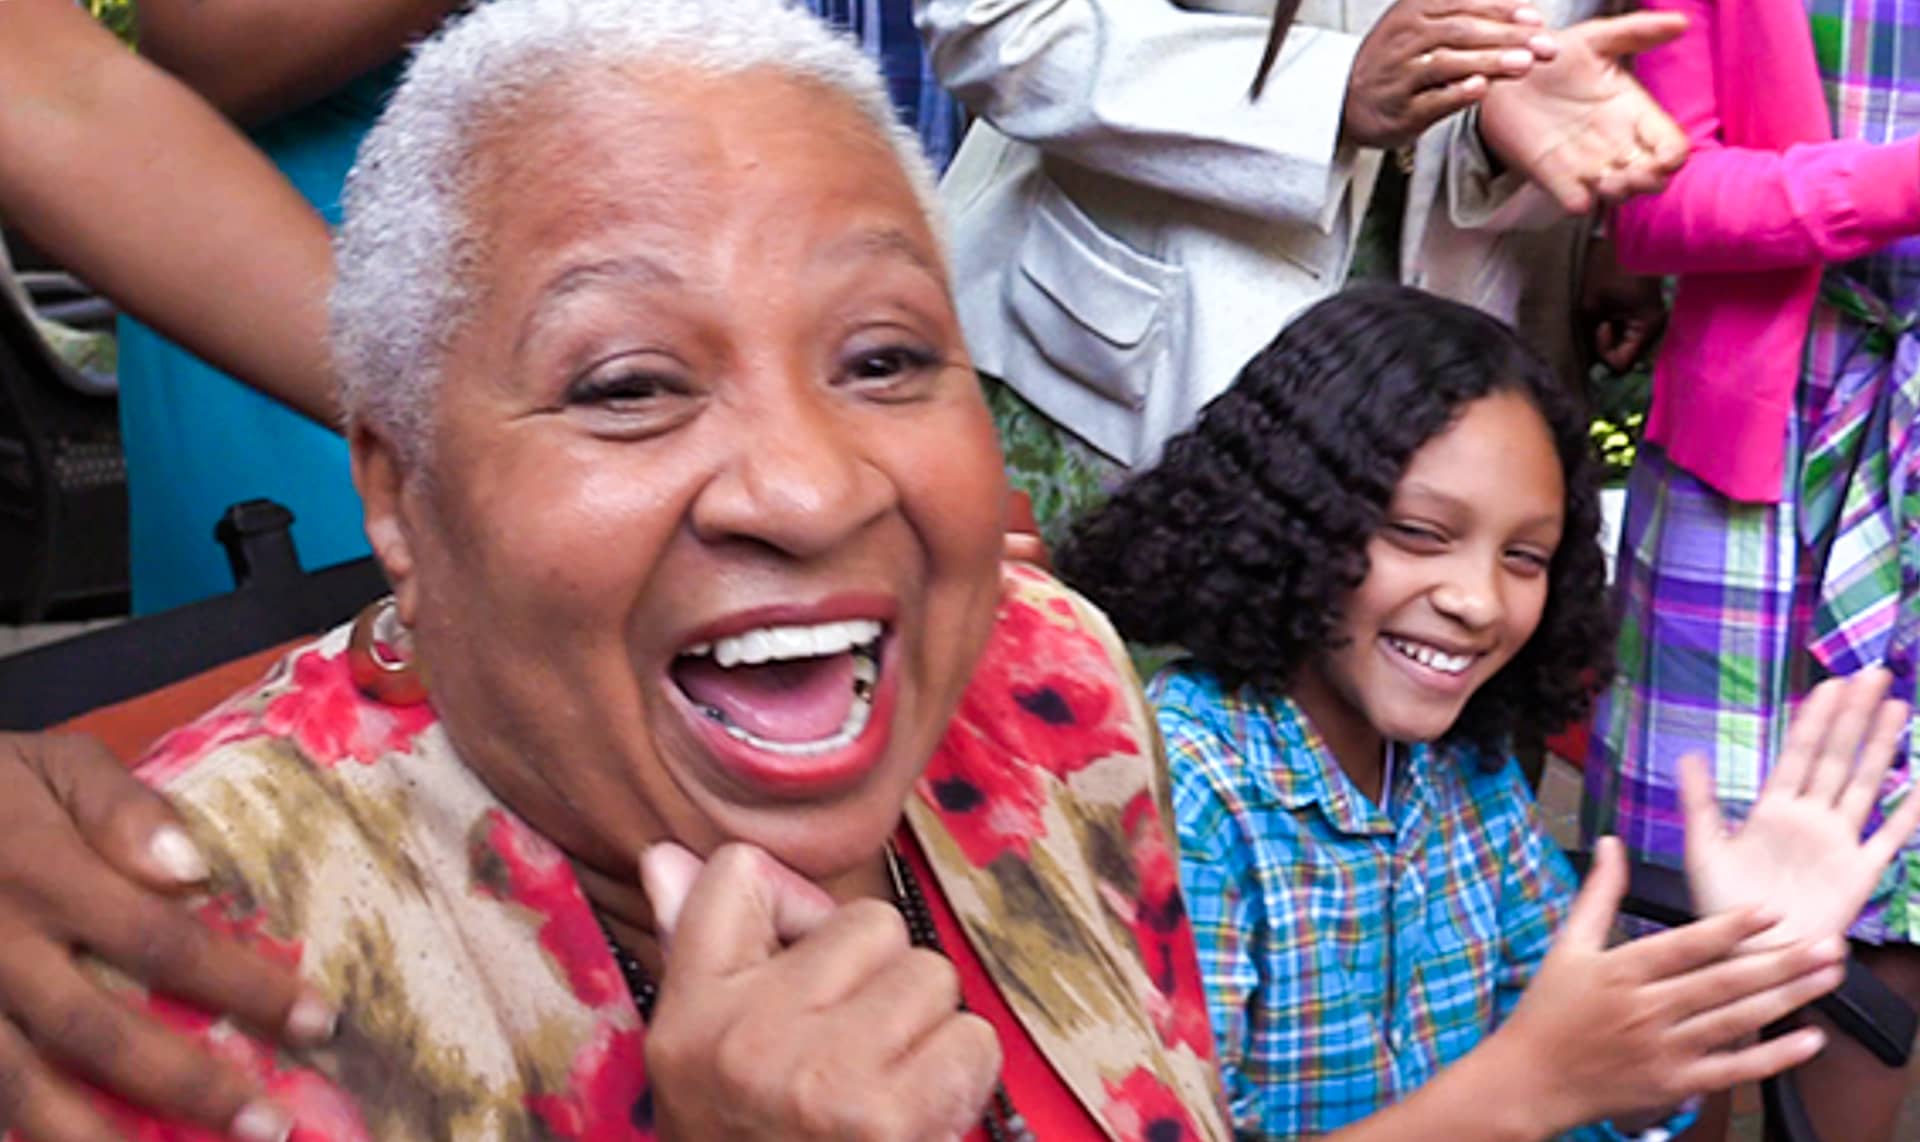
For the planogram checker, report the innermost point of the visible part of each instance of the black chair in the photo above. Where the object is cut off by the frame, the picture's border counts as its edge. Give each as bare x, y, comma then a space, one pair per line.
275, 601
63, 484
1862, 1007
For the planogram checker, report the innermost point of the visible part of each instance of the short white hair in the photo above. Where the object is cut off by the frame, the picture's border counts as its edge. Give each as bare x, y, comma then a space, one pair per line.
405, 251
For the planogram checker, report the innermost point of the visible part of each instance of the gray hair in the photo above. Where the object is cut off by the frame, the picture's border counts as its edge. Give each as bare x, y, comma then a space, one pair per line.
405, 251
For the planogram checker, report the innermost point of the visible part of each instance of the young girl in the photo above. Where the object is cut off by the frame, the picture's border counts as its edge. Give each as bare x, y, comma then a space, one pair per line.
1379, 547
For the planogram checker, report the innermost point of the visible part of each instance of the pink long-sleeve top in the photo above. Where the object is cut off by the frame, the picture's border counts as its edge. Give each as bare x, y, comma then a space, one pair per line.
1767, 199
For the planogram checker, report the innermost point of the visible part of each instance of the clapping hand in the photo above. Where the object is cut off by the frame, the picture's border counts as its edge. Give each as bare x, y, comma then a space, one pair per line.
1604, 1031
1580, 125
1800, 853
1425, 59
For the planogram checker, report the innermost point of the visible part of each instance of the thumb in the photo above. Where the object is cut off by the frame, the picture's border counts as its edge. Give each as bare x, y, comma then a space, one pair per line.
731, 912
667, 873
1591, 917
1628, 35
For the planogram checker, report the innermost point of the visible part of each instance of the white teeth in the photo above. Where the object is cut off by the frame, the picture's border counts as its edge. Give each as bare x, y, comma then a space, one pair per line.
1431, 657
777, 644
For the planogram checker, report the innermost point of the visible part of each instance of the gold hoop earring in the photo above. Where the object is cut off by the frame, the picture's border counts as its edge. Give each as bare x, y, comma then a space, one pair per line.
374, 658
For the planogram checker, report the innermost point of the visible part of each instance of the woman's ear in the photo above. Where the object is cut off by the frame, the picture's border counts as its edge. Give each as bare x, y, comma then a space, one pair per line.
391, 507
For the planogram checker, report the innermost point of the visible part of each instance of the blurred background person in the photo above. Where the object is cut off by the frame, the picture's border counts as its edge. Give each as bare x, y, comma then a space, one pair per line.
1151, 189
1772, 532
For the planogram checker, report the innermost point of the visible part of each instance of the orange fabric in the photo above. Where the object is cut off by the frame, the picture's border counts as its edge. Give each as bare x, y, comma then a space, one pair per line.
128, 728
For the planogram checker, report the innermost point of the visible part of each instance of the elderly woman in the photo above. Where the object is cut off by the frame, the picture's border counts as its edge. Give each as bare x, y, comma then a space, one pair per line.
674, 458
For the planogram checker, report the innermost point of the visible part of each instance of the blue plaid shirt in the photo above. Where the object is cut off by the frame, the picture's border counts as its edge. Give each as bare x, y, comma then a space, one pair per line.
1349, 953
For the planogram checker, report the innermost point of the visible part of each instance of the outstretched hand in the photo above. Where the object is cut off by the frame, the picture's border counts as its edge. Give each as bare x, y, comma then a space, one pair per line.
1800, 851
1580, 125
1605, 1031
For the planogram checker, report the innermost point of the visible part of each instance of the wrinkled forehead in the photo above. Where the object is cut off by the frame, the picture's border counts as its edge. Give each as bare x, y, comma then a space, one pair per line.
674, 146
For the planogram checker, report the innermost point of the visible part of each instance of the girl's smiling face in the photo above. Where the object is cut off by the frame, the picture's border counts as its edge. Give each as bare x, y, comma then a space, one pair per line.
1457, 580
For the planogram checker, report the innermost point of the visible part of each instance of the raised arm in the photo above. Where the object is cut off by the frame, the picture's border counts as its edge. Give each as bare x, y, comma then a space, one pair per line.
1160, 95
255, 59
141, 189
1733, 209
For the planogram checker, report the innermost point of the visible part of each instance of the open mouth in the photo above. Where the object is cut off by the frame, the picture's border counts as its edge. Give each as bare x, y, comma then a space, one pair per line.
1430, 656
792, 690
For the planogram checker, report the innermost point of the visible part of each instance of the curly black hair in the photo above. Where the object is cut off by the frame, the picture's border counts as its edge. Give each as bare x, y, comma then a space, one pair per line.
1241, 545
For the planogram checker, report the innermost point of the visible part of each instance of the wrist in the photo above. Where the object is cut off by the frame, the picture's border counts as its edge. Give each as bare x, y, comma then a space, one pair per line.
1521, 1099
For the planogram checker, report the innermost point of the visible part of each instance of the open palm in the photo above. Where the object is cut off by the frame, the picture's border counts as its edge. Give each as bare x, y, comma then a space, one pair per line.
1800, 854
1580, 125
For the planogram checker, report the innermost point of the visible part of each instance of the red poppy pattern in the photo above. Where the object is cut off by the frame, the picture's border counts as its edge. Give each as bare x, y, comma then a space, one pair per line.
1142, 1109
478, 993
325, 714
536, 876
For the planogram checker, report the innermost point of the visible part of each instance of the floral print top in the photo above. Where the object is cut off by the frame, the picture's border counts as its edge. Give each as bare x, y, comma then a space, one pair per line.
480, 1000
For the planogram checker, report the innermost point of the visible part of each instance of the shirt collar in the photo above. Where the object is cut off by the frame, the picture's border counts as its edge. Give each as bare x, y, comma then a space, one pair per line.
1293, 767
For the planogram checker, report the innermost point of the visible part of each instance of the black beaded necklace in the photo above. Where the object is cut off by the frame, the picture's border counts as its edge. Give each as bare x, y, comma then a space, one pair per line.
1002, 1122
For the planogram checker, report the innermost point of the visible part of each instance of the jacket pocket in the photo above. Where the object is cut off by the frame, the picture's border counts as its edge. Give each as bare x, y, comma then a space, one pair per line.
1096, 309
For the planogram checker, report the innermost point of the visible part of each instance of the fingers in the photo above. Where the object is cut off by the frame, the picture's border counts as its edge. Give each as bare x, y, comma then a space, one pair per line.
1699, 802
1894, 832
127, 824
737, 912
956, 1067
667, 873
1860, 698
1746, 1014
911, 996
1862, 791
1806, 731
1627, 35
1486, 25
1663, 140
36, 1104
1563, 181
121, 1050
1436, 103
1678, 951
1591, 917
1798, 972
1636, 333
171, 951
1719, 1070
1446, 66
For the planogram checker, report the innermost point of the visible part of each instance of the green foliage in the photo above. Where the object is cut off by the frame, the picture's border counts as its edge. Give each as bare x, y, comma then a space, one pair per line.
117, 15
1619, 416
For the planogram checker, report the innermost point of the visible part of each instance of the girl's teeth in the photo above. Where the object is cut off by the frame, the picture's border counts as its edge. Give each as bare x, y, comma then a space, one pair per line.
1429, 657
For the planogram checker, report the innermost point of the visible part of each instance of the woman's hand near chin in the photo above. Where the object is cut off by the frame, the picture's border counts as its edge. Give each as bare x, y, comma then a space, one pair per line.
782, 1015
90, 858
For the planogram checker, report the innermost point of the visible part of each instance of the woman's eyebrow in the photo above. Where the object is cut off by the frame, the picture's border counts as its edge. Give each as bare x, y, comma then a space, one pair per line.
883, 242
580, 277
627, 267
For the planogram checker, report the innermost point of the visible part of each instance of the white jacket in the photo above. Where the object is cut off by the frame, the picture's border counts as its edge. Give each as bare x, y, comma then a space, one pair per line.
1128, 227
